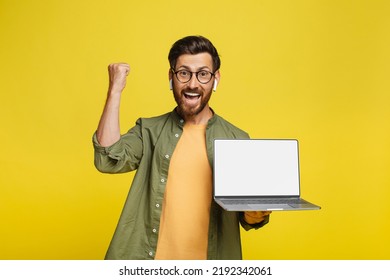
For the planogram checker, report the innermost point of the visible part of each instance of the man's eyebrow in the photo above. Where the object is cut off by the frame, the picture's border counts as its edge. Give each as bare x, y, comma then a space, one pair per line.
189, 69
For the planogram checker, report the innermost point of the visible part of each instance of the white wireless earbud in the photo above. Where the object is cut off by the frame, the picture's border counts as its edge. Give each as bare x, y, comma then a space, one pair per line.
215, 85
170, 84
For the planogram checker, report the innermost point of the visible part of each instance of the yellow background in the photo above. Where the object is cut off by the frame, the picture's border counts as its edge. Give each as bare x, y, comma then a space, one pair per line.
317, 71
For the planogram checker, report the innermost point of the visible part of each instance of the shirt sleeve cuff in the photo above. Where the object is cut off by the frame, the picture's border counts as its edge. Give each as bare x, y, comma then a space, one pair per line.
100, 149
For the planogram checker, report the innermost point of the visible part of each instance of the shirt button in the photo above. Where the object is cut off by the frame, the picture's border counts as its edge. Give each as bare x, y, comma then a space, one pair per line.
157, 205
150, 254
176, 135
162, 180
181, 121
154, 230
166, 156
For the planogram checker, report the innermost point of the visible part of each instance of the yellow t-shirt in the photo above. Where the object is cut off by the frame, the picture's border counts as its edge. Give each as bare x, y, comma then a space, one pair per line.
184, 222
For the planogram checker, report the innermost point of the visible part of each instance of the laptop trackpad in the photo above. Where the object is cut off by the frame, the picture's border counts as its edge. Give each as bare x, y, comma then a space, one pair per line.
268, 207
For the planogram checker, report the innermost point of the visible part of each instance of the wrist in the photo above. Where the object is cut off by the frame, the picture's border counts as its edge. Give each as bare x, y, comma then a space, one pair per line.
113, 91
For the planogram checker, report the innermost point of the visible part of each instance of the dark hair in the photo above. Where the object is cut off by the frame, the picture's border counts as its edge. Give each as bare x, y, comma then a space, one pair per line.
193, 45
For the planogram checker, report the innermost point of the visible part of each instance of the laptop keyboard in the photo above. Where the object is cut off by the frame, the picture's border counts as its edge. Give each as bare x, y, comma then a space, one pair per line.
267, 201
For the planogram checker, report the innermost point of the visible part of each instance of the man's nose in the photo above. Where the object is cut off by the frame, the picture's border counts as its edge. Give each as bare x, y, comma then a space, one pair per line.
193, 82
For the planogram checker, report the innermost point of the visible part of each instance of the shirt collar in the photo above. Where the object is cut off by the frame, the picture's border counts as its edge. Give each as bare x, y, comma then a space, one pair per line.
180, 121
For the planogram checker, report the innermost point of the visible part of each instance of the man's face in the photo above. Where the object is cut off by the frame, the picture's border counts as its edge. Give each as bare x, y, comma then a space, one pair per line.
192, 97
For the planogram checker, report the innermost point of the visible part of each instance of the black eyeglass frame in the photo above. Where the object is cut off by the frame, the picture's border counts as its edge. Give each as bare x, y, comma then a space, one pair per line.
191, 73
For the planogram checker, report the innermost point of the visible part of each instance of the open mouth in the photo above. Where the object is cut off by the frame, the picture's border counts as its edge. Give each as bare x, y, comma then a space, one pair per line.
191, 95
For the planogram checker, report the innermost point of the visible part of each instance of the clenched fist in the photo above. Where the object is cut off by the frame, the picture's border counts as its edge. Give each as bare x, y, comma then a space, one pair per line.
118, 74
255, 217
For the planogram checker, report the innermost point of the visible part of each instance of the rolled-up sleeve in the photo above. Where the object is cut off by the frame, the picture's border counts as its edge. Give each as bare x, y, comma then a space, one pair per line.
122, 156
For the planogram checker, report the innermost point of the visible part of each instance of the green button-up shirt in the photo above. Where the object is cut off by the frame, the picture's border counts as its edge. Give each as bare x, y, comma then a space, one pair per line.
147, 148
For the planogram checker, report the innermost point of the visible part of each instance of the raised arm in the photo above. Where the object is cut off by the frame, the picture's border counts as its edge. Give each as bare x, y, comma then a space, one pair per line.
108, 131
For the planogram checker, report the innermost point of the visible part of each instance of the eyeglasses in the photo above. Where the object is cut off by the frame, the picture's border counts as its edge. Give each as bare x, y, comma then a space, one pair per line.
185, 76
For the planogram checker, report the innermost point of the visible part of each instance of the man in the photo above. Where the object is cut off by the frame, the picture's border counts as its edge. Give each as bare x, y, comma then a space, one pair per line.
169, 212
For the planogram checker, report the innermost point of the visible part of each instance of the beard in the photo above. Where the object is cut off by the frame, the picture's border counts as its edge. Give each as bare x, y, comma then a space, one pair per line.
187, 110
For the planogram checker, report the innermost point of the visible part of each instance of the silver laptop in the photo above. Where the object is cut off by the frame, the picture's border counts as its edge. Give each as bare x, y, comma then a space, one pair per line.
258, 175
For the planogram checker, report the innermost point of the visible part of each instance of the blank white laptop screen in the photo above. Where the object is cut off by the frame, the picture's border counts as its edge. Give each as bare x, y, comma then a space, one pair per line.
256, 167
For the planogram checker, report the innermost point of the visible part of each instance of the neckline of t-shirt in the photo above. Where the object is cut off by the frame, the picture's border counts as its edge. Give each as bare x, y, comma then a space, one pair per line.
195, 126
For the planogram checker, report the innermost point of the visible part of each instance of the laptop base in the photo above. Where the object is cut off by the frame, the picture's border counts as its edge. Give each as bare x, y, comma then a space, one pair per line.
252, 204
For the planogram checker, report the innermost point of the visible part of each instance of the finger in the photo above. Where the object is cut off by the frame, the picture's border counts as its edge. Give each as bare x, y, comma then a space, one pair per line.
254, 214
258, 214
126, 67
119, 67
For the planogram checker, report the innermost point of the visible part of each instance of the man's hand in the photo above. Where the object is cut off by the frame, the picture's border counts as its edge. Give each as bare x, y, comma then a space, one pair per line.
117, 74
255, 217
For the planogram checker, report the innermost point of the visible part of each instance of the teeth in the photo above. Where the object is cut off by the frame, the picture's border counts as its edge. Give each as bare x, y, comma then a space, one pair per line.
192, 94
